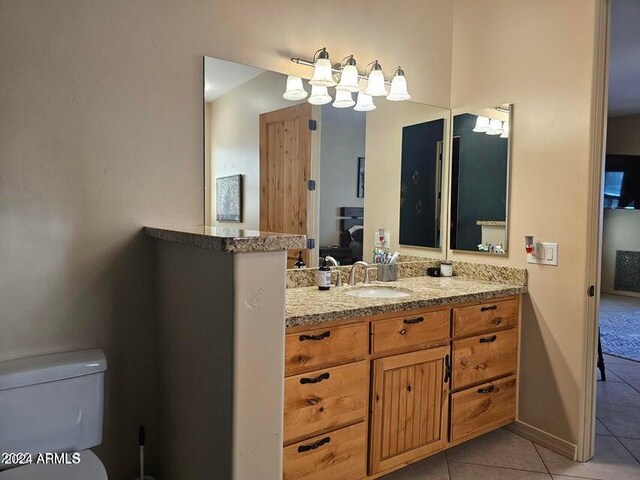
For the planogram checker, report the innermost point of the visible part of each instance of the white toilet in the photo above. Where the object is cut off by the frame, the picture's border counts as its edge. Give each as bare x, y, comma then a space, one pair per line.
52, 404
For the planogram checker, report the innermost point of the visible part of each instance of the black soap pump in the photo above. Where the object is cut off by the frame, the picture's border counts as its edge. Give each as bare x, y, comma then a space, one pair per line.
324, 276
299, 261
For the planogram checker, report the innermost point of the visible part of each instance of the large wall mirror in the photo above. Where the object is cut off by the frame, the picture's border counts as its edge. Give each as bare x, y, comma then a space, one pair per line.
286, 165
479, 196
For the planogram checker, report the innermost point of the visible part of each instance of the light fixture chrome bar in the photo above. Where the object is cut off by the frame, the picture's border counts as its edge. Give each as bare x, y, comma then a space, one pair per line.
308, 63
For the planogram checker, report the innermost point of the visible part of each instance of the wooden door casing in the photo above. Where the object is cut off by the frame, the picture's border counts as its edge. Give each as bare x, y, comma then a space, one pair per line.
409, 407
285, 165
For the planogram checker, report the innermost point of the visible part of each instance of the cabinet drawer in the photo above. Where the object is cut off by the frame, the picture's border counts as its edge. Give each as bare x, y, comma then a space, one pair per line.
410, 331
339, 455
480, 358
482, 318
325, 399
314, 348
479, 408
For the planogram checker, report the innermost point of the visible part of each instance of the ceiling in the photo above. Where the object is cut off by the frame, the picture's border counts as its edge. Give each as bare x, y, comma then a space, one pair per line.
624, 58
221, 76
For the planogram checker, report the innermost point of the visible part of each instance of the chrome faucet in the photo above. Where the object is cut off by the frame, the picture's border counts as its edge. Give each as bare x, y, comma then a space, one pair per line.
335, 263
352, 275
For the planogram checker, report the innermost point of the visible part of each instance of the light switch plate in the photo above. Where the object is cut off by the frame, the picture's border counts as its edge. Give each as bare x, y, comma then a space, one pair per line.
546, 253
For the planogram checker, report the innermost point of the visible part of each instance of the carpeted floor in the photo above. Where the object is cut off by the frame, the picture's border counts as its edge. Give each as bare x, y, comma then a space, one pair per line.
620, 326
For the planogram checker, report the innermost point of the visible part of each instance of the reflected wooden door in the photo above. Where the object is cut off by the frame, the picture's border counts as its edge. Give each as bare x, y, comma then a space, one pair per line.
285, 164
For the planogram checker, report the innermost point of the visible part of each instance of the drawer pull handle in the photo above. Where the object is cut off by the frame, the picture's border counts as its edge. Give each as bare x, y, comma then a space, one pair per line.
492, 307
319, 378
322, 336
313, 446
490, 339
497, 321
411, 321
489, 389
403, 331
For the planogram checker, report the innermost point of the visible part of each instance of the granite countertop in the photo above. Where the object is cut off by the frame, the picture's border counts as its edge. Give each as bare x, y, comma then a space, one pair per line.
311, 306
223, 239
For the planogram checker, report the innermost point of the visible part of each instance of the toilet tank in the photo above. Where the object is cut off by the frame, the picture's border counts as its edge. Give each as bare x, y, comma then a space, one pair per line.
52, 403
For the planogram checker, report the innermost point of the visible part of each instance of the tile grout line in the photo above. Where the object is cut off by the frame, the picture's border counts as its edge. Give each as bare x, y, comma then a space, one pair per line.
625, 447
501, 467
446, 459
535, 447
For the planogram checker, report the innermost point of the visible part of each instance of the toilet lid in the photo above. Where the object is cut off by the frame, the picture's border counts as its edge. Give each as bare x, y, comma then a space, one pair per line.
89, 468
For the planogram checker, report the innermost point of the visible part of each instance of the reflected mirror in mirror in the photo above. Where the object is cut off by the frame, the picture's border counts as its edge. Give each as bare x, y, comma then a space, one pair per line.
302, 166
479, 180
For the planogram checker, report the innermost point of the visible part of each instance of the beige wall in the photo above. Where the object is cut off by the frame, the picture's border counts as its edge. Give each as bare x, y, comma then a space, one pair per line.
382, 177
102, 132
234, 126
542, 60
623, 135
621, 231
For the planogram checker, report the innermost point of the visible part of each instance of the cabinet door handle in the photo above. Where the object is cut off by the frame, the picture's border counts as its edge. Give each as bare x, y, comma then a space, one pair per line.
490, 339
492, 307
411, 321
318, 379
314, 445
447, 369
489, 389
322, 336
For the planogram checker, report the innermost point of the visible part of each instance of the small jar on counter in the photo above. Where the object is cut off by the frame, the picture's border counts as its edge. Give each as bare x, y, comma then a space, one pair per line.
446, 268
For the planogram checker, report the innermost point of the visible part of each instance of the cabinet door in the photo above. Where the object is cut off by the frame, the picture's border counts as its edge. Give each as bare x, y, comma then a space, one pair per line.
409, 407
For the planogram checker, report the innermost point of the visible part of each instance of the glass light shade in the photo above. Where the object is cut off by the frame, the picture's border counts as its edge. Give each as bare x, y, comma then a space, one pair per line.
343, 99
495, 127
398, 91
365, 103
505, 130
319, 95
295, 90
375, 84
482, 124
349, 79
322, 74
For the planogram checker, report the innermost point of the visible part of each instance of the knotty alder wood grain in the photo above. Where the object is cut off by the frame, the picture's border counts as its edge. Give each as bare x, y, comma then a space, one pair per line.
410, 331
409, 405
479, 318
325, 399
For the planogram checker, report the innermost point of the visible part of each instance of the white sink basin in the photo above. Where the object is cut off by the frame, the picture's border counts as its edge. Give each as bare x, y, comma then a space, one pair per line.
378, 292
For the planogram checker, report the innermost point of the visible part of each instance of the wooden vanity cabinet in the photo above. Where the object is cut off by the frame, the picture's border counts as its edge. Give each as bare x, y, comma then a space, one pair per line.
365, 398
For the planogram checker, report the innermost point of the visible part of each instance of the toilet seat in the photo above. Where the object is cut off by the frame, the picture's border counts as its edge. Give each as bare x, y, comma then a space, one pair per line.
89, 468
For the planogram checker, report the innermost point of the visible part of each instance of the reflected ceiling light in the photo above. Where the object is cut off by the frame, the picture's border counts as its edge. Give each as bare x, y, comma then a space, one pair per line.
495, 127
365, 103
482, 124
349, 76
343, 99
295, 90
375, 81
505, 130
319, 95
322, 72
398, 92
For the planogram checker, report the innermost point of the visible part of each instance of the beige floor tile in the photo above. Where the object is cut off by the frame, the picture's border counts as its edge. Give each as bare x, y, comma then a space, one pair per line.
614, 393
633, 445
563, 477
431, 468
611, 359
621, 421
468, 471
610, 462
611, 377
500, 448
601, 429
628, 373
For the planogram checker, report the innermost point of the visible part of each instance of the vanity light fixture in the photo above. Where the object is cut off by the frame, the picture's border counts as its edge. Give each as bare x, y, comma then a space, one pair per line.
349, 77
495, 127
343, 99
482, 124
319, 95
375, 81
505, 130
322, 71
398, 91
295, 90
365, 103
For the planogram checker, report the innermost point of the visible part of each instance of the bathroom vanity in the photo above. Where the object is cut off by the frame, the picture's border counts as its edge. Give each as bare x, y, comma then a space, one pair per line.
373, 384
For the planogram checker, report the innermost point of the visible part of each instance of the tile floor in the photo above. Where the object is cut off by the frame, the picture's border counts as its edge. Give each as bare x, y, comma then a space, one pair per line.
502, 455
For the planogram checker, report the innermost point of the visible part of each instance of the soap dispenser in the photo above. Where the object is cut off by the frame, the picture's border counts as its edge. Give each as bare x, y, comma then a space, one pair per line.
324, 276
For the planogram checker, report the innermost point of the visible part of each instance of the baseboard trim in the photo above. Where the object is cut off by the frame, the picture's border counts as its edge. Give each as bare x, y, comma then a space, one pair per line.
545, 439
